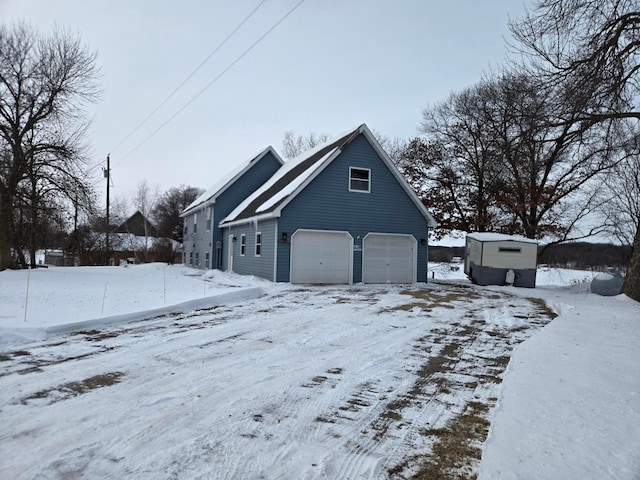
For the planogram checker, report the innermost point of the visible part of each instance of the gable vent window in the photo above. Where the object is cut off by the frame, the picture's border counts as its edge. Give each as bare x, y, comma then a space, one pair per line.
359, 180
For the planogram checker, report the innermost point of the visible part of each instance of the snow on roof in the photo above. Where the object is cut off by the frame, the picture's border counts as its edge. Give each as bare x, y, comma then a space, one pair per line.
288, 179
228, 179
499, 237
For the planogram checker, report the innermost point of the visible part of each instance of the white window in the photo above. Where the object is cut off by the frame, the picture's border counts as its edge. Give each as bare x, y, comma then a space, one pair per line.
208, 218
359, 180
195, 222
243, 244
258, 244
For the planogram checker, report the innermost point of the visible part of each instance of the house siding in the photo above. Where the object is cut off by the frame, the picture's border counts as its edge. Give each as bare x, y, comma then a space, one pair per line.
250, 264
236, 193
327, 204
196, 244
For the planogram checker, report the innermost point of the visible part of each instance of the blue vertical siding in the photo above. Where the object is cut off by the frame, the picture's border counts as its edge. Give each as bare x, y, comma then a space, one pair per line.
327, 204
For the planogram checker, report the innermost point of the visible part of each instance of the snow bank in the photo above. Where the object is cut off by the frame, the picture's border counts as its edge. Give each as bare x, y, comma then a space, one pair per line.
569, 408
184, 307
36, 303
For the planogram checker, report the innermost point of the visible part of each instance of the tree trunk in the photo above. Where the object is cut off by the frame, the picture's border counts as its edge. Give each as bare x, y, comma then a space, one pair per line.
631, 285
5, 229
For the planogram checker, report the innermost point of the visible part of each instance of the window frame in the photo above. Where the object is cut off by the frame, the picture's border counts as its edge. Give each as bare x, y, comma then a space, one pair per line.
352, 179
195, 222
207, 259
510, 250
209, 209
243, 244
258, 244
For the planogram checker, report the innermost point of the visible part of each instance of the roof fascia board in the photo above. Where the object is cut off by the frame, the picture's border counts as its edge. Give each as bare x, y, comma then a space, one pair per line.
399, 177
255, 218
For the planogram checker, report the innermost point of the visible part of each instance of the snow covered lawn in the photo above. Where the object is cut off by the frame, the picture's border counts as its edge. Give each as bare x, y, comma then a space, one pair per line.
282, 381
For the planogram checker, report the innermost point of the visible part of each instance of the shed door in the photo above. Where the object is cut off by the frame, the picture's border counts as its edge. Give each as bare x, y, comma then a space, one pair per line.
321, 257
388, 258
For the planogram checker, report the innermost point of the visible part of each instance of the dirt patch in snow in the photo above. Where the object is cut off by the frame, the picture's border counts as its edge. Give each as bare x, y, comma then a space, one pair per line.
396, 375
73, 389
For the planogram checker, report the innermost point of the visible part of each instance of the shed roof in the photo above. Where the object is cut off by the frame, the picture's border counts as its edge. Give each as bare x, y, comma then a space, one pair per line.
499, 237
295, 175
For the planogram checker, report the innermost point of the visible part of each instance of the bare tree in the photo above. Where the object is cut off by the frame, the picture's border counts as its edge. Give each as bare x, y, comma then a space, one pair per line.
500, 166
168, 208
457, 161
145, 201
294, 144
44, 83
589, 50
620, 193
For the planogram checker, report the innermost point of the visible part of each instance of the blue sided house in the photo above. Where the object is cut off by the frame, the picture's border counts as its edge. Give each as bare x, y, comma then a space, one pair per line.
341, 213
203, 239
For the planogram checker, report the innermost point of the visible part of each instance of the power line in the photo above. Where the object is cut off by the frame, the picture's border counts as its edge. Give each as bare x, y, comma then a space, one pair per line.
215, 50
242, 55
168, 97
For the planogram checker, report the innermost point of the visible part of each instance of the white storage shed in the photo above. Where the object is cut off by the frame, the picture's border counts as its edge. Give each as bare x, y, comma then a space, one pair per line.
490, 256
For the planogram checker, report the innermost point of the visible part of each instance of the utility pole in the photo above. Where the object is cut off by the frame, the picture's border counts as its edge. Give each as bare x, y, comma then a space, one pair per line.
75, 232
107, 175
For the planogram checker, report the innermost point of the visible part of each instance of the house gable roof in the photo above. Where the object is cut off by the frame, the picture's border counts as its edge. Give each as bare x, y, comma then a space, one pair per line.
209, 197
135, 225
269, 200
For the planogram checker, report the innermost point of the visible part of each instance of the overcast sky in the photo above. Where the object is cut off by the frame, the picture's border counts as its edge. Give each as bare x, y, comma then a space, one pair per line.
329, 66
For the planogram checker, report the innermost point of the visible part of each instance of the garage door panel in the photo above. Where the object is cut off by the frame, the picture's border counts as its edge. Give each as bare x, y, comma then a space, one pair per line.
321, 257
388, 258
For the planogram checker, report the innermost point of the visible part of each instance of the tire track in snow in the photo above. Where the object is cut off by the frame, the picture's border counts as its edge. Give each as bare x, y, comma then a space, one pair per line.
304, 380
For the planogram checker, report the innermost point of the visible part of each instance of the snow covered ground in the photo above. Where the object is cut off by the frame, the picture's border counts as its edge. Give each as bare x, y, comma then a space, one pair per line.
283, 381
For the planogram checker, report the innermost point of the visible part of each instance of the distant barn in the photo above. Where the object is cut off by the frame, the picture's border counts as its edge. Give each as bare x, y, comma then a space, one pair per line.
489, 256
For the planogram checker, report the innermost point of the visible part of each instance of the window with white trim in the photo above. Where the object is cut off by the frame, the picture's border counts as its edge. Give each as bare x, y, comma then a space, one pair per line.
258, 244
206, 260
209, 218
195, 222
243, 244
359, 180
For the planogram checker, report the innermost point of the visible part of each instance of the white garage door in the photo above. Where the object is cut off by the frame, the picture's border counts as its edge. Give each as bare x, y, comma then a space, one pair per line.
321, 257
388, 258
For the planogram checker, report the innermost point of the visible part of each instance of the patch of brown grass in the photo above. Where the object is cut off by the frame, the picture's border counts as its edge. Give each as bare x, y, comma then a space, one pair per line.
543, 308
427, 300
73, 389
456, 447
